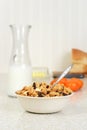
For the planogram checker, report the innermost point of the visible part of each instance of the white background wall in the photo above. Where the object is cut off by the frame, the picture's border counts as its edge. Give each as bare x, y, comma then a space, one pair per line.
57, 27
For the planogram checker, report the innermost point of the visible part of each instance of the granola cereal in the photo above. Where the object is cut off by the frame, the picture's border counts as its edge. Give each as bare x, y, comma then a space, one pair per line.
44, 90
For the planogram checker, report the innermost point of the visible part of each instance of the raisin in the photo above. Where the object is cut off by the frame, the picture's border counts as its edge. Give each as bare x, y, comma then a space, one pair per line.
64, 94
48, 92
34, 85
27, 93
47, 86
40, 94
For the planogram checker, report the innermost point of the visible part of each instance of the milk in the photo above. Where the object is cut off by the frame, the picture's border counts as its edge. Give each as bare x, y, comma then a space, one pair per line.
18, 77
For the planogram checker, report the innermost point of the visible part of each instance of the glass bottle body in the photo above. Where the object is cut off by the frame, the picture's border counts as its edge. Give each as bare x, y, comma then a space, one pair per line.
20, 69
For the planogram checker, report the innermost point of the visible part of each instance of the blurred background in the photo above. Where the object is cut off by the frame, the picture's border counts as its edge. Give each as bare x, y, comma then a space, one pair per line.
57, 27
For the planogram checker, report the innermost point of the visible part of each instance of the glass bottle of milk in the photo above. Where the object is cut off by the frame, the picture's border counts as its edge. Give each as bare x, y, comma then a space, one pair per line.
20, 68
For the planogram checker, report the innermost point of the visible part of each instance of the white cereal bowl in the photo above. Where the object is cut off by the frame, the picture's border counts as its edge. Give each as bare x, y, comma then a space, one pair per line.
43, 104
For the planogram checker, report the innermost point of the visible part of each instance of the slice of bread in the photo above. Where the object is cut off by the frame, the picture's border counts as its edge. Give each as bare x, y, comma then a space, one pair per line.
79, 68
79, 56
79, 59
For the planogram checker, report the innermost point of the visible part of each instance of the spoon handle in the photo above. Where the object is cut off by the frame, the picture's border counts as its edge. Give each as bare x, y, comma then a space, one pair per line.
63, 74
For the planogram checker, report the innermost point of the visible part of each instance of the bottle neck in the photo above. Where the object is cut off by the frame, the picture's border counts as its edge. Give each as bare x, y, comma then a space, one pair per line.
20, 52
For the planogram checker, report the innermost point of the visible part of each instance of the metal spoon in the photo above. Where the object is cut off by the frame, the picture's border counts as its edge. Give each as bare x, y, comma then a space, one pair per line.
63, 74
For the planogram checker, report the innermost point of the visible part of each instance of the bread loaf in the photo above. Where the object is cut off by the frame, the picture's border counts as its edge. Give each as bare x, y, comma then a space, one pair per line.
79, 59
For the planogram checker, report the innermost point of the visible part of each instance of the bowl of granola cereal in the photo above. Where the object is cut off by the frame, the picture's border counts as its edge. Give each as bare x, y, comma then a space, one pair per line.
42, 98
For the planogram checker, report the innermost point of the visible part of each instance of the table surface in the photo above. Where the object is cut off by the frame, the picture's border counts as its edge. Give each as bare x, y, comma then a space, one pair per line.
13, 116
